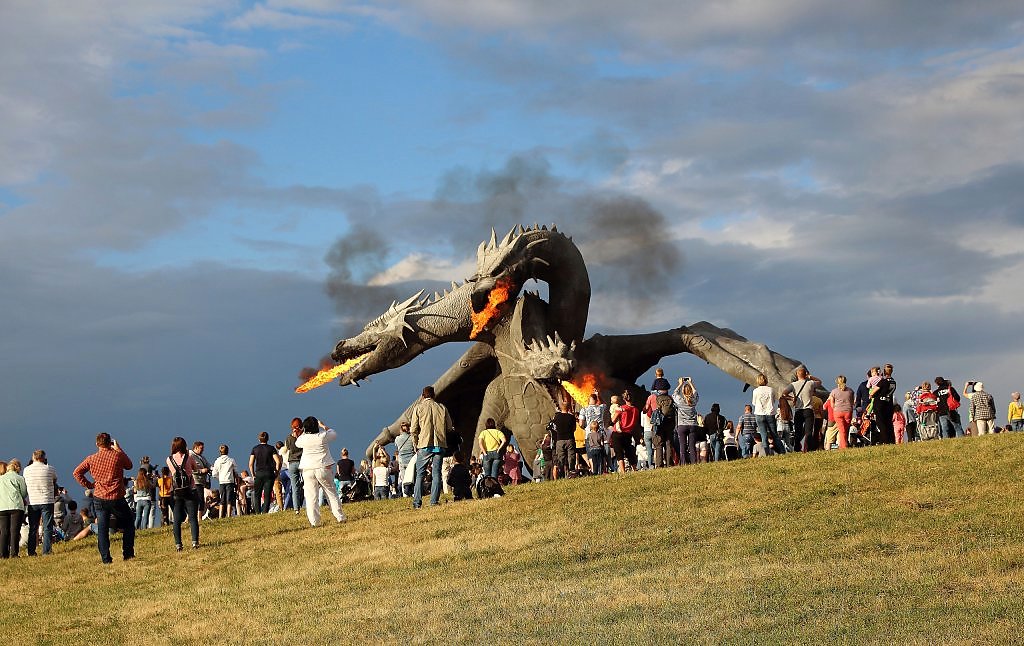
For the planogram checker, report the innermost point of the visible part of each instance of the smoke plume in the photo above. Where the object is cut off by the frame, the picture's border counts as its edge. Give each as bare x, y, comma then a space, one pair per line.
354, 258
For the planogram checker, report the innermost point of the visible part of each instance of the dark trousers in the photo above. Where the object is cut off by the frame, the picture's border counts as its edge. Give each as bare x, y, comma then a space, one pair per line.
119, 509
263, 487
10, 532
186, 505
883, 420
803, 422
37, 513
687, 443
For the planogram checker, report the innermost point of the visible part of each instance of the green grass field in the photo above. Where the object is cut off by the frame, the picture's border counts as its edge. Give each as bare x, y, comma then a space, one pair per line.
921, 544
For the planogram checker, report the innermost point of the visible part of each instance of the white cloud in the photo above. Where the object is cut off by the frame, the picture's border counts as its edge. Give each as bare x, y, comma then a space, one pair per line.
421, 267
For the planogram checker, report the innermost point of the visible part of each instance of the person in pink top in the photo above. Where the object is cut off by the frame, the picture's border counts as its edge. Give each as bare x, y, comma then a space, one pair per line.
185, 501
841, 400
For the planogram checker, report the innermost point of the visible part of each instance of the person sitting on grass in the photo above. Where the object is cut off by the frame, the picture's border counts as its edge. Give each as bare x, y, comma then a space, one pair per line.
459, 479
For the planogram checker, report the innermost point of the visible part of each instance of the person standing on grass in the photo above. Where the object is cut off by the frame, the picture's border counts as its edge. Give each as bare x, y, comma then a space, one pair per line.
406, 448
201, 473
185, 499
143, 498
317, 469
800, 394
13, 492
983, 409
686, 398
747, 425
910, 415
948, 402
41, 480
294, 457
165, 491
1015, 413
107, 467
841, 399
882, 394
264, 464
225, 469
564, 423
380, 480
429, 426
513, 465
492, 444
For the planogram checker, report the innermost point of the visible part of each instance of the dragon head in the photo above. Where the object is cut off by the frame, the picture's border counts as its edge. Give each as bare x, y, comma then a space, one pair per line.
549, 360
507, 263
381, 345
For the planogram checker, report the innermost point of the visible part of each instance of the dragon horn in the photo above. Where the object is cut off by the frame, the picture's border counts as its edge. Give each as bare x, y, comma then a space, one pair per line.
494, 242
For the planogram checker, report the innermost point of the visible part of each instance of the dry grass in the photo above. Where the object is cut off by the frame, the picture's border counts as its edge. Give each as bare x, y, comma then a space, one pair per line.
920, 544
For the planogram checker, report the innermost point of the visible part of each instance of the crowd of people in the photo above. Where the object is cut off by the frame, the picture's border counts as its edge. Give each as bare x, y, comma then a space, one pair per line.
669, 430
300, 472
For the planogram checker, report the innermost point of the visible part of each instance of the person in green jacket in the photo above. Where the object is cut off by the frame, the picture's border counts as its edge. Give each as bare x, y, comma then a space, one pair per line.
13, 492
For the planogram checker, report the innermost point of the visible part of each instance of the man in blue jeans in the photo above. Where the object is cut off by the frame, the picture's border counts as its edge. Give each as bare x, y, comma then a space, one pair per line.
429, 427
41, 480
107, 467
294, 455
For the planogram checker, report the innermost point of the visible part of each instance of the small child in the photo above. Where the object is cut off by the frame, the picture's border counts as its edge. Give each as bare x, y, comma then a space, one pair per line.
642, 459
759, 450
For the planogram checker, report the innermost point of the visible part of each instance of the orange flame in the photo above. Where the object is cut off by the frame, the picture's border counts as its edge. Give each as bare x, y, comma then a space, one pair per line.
328, 374
581, 388
495, 299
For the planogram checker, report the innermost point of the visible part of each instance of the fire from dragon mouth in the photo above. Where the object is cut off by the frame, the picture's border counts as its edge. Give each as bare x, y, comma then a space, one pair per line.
497, 297
327, 375
581, 388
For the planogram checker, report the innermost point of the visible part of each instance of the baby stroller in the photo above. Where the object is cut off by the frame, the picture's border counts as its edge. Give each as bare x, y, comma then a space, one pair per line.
928, 425
358, 490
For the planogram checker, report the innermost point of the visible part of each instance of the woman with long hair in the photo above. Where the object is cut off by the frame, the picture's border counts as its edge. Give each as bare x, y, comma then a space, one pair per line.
686, 397
317, 464
143, 498
13, 491
785, 423
185, 502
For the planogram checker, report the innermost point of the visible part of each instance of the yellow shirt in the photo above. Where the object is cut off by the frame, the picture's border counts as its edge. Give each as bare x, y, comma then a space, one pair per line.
491, 439
1016, 411
580, 436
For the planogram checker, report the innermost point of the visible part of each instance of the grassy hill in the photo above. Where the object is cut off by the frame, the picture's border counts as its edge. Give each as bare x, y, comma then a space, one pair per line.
920, 544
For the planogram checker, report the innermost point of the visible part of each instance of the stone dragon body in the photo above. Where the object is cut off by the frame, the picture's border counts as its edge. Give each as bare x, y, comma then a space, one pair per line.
525, 346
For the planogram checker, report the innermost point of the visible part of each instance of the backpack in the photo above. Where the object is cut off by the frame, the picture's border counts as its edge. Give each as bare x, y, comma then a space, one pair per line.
952, 401
181, 483
666, 409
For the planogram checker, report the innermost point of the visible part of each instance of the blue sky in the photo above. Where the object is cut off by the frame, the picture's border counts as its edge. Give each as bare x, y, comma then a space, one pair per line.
842, 183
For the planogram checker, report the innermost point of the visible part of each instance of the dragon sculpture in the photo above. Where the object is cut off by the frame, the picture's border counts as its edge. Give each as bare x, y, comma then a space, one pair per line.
526, 348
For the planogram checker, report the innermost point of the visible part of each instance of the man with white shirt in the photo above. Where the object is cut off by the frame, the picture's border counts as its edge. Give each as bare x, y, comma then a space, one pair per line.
41, 480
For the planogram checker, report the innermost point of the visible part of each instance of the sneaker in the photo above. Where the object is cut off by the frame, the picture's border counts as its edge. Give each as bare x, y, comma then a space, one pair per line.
195, 545
178, 547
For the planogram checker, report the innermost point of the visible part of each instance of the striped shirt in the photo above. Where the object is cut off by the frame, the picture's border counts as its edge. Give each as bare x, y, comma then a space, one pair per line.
40, 479
747, 424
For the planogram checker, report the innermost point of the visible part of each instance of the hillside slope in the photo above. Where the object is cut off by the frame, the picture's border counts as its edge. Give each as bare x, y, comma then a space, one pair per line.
918, 544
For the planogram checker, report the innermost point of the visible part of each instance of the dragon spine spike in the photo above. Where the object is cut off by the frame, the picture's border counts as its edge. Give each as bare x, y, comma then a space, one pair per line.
444, 293
543, 227
480, 251
557, 338
536, 227
507, 240
554, 229
409, 301
437, 296
542, 261
494, 241
454, 286
551, 342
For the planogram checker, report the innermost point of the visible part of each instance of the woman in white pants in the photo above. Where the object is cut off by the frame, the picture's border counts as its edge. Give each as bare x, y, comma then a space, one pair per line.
317, 465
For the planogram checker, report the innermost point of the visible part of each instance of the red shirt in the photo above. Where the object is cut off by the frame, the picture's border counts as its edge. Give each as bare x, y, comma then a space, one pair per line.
107, 468
927, 402
628, 417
